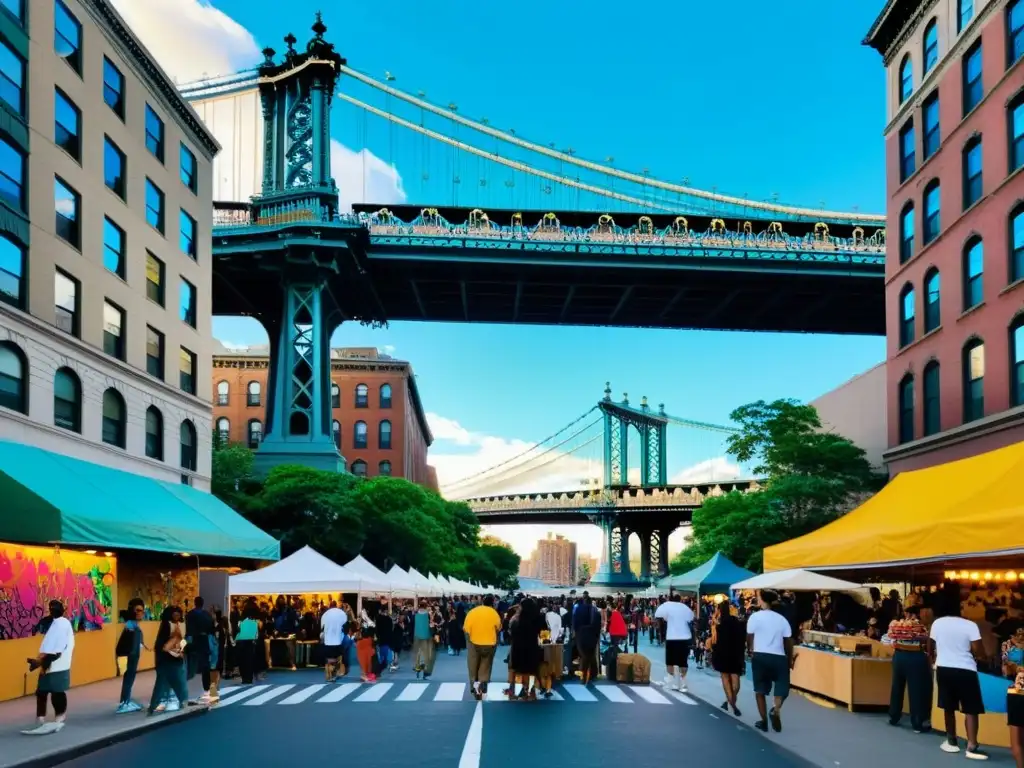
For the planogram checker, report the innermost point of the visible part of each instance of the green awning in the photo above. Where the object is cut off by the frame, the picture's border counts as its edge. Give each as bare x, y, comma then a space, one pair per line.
51, 498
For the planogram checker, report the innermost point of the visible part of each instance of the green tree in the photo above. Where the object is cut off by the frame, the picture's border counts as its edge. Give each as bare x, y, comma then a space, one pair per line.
583, 573
231, 476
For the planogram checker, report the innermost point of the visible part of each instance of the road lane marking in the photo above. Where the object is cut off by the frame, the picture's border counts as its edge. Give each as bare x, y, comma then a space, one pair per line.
614, 693
300, 696
413, 692
450, 692
245, 693
579, 693
339, 693
273, 693
375, 692
649, 695
683, 698
474, 739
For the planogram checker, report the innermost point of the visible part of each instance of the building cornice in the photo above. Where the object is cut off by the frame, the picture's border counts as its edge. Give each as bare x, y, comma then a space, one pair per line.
995, 423
157, 78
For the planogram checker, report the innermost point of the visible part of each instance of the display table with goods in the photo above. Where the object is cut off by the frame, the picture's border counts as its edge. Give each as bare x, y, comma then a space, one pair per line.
852, 670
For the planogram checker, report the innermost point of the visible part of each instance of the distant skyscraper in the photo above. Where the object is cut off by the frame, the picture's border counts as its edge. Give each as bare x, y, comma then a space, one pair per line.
556, 560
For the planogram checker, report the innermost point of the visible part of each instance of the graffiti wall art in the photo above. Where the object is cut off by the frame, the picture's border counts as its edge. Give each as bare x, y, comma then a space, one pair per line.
158, 585
30, 577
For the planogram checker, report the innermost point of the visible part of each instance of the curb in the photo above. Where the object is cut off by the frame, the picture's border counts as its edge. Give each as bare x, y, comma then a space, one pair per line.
74, 751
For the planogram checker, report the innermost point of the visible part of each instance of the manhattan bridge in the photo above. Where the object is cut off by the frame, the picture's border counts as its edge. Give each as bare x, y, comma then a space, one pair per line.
513, 231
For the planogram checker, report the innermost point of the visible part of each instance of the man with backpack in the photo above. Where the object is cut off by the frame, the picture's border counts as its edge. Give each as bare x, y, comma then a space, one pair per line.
129, 647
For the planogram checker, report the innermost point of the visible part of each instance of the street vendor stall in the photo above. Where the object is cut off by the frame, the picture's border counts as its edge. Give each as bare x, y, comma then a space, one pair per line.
713, 577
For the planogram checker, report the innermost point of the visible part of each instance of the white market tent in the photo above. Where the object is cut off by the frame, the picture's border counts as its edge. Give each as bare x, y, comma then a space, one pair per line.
797, 580
305, 571
423, 585
401, 582
365, 568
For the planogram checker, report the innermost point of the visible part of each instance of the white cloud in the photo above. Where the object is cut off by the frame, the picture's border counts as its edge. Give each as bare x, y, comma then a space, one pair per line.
190, 39
719, 469
388, 349
362, 177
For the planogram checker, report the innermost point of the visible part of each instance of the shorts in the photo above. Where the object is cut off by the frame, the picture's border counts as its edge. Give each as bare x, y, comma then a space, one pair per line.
770, 670
677, 653
333, 652
1015, 710
959, 689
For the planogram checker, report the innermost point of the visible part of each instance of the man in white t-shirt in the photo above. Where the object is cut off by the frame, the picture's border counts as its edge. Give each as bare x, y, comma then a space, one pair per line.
955, 644
678, 637
770, 645
332, 627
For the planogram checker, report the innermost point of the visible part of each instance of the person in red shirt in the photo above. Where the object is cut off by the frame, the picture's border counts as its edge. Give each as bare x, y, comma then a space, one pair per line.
617, 626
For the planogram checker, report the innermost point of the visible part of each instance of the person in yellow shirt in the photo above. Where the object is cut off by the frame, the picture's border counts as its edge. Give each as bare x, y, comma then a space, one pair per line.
481, 626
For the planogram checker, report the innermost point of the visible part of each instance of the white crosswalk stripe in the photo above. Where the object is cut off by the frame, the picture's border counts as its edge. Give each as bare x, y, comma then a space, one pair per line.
683, 698
339, 693
413, 692
241, 694
300, 696
375, 692
614, 693
450, 692
270, 695
580, 693
649, 695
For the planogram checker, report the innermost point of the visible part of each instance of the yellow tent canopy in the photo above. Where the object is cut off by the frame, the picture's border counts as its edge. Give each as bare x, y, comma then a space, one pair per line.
970, 507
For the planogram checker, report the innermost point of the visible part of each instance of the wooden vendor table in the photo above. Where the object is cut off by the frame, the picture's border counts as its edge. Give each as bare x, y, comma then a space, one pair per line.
856, 681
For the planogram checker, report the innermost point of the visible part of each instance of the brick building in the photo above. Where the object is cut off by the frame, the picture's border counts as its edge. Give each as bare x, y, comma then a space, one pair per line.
955, 261
379, 423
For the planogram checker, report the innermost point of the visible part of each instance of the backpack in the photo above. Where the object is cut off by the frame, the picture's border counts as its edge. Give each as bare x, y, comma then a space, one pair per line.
125, 643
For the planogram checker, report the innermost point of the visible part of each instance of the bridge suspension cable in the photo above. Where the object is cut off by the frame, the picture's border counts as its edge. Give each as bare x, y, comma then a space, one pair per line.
572, 159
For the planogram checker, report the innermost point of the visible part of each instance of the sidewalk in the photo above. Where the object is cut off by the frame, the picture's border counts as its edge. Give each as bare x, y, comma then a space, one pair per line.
91, 723
824, 734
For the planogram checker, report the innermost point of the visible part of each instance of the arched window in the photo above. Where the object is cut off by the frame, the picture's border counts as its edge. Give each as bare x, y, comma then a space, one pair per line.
359, 435
252, 393
973, 272
931, 46
189, 449
1017, 243
362, 396
115, 419
67, 400
359, 468
906, 84
223, 430
932, 206
298, 423
336, 432
384, 434
385, 395
932, 413
932, 300
974, 380
907, 299
335, 395
972, 170
384, 468
906, 400
907, 233
1015, 120
1017, 361
223, 392
154, 433
255, 433
13, 377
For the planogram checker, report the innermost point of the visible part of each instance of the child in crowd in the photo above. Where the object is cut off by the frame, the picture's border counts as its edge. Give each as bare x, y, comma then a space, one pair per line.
347, 647
365, 652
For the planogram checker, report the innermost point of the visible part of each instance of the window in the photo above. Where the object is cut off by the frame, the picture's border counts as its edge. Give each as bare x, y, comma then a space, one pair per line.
113, 247
907, 233
1016, 245
255, 433
13, 378
66, 303
974, 89
932, 206
359, 468
12, 175
154, 433
932, 300
223, 429
964, 14
113, 87
1016, 133
189, 169
187, 308
189, 453
336, 433
1017, 362
12, 272
384, 435
908, 160
906, 84
384, 468
67, 36
113, 330
973, 273
906, 398
154, 353
16, 8
931, 46
972, 172
335, 396
113, 167
223, 392
252, 395
385, 395
67, 204
906, 315
67, 125
115, 419
359, 435
187, 238
362, 396
154, 279
67, 400
1014, 32
974, 380
154, 206
932, 423
930, 118
154, 134
12, 78
187, 371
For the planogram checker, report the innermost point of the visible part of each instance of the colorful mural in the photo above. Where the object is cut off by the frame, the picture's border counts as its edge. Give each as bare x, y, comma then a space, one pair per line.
30, 577
158, 586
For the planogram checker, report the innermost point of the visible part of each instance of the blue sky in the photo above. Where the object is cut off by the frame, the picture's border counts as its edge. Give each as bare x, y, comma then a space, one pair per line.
752, 98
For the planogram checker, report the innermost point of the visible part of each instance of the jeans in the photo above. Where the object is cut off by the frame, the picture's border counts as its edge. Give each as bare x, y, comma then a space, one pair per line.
128, 680
169, 675
383, 655
910, 670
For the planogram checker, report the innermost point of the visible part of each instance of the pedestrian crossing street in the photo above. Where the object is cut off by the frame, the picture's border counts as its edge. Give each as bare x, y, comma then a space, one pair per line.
400, 693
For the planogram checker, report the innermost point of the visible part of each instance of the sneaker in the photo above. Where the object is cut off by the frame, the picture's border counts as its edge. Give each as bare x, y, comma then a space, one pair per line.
123, 708
976, 753
669, 681
172, 706
59, 726
41, 729
949, 745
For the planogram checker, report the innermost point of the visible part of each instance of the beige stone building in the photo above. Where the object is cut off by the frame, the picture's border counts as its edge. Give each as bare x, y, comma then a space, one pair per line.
105, 249
556, 560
